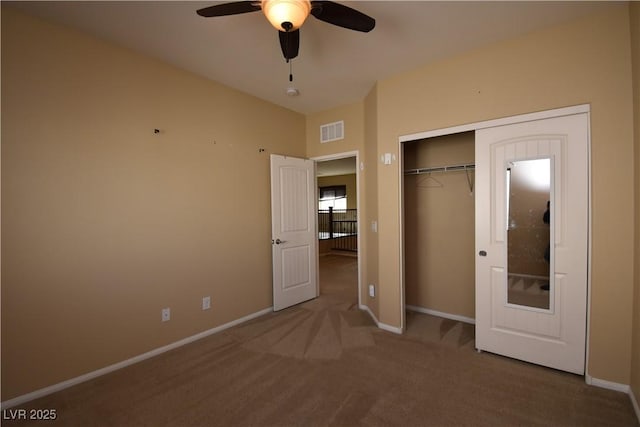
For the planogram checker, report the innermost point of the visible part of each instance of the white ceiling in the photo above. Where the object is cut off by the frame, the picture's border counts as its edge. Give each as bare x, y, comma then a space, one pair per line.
335, 66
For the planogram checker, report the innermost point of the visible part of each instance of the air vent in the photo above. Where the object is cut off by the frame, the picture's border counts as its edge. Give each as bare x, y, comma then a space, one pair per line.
332, 132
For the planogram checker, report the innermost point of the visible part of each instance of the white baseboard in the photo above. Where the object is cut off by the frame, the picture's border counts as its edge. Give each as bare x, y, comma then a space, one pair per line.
390, 328
111, 368
634, 402
440, 314
379, 324
609, 385
366, 308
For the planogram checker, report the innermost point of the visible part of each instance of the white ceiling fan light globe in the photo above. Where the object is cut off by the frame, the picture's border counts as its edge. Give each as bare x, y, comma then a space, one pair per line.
280, 11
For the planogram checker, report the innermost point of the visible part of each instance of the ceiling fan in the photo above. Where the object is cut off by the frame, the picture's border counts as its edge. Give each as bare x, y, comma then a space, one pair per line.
287, 16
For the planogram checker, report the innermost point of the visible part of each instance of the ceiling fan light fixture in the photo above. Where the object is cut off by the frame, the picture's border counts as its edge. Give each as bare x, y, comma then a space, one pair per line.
279, 12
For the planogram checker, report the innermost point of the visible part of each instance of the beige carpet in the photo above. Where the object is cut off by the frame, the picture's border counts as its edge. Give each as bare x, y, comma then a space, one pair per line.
324, 363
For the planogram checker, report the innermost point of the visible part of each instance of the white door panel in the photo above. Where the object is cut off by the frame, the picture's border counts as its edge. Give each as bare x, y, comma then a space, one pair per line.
554, 334
293, 228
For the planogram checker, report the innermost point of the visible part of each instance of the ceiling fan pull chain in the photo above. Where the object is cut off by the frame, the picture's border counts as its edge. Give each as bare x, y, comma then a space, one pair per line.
290, 69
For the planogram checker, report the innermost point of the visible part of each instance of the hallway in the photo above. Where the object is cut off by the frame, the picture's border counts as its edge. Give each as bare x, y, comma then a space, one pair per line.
339, 277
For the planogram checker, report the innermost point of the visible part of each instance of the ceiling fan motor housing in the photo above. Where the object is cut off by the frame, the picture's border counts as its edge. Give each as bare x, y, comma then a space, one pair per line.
286, 15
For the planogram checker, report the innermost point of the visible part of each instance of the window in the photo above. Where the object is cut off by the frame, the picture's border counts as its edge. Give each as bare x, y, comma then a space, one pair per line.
333, 197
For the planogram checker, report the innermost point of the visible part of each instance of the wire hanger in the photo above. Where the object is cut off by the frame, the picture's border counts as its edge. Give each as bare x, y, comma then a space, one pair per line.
429, 182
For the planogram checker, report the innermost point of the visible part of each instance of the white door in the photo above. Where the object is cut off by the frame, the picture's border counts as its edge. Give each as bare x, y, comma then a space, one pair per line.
293, 230
515, 315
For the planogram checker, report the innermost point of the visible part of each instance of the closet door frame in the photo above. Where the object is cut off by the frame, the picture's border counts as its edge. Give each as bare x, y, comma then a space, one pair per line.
560, 112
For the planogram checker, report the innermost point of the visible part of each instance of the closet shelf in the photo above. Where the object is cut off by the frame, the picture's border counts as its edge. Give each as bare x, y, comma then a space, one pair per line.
451, 168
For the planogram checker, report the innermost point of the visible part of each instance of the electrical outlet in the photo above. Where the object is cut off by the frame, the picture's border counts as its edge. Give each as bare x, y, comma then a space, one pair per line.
206, 303
166, 314
372, 290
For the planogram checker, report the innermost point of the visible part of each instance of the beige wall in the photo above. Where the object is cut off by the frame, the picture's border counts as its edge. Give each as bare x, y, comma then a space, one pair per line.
635, 49
104, 223
370, 192
585, 61
353, 116
349, 181
439, 226
356, 139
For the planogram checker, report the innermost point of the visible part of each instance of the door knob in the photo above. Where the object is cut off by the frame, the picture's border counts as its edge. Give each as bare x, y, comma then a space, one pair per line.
482, 253
279, 242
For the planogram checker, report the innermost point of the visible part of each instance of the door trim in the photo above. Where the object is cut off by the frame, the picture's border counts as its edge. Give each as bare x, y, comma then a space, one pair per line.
338, 156
521, 118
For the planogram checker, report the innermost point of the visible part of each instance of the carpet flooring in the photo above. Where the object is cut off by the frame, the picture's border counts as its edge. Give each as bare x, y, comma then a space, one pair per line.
324, 363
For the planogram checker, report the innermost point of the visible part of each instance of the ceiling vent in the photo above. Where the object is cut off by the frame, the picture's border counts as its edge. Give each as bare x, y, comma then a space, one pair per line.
332, 132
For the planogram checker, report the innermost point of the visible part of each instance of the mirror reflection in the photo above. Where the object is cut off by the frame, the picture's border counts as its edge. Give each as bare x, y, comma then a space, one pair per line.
529, 232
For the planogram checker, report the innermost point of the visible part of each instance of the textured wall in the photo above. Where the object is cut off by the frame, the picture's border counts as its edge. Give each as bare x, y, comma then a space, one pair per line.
635, 49
104, 222
585, 61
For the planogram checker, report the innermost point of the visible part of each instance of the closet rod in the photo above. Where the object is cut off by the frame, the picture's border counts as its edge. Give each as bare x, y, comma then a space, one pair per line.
465, 167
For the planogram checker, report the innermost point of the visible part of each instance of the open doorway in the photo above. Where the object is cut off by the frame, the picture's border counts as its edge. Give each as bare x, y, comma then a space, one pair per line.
338, 227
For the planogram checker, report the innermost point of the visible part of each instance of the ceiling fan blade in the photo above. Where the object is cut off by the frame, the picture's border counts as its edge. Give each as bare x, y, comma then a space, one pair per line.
290, 43
225, 9
342, 16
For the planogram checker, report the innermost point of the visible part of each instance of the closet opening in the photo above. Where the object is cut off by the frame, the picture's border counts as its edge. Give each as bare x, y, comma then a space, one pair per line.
442, 235
439, 234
